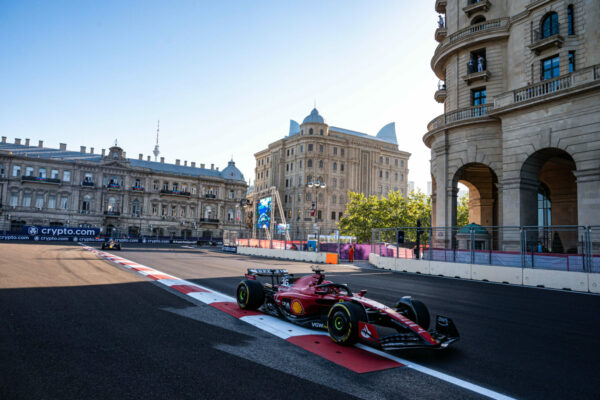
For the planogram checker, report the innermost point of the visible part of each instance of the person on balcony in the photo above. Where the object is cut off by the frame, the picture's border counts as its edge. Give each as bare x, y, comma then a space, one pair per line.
480, 64
440, 21
471, 66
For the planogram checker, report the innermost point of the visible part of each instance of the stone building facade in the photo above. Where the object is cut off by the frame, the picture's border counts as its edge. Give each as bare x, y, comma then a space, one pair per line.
57, 187
521, 127
342, 159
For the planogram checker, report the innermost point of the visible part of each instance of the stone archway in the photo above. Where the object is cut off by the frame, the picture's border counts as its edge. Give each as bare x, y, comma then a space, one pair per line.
482, 183
548, 194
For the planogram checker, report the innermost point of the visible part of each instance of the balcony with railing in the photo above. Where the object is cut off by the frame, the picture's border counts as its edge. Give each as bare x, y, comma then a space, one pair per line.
469, 114
112, 213
175, 193
549, 89
113, 186
87, 183
210, 196
474, 6
441, 32
40, 179
476, 72
440, 93
137, 188
469, 36
542, 39
209, 220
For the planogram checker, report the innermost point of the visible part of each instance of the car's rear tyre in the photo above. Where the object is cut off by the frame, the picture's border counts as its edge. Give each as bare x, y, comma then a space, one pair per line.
250, 295
342, 322
414, 310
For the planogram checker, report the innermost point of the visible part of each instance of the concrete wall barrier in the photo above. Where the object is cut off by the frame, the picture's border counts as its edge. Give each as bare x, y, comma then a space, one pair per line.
414, 266
594, 283
497, 274
306, 256
556, 279
454, 270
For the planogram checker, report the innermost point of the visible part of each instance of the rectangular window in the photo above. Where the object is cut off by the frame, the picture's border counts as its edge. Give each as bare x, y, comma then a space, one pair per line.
320, 148
42, 173
402, 163
1, 170
310, 147
27, 200
54, 174
341, 166
64, 203
478, 96
380, 173
387, 161
52, 202
39, 202
154, 209
292, 151
380, 160
300, 164
16, 170
571, 61
28, 171
288, 152
550, 68
14, 200
231, 194
395, 162
335, 151
340, 215
301, 148
333, 215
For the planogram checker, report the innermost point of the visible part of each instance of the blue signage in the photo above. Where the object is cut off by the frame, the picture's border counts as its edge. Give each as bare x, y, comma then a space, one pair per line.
60, 231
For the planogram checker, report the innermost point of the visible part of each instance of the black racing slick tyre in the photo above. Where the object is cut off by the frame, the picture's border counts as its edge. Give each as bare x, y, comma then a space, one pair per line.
250, 295
414, 310
342, 322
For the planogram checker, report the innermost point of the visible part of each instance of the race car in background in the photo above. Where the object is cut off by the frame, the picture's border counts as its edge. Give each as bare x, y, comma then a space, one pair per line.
313, 302
110, 244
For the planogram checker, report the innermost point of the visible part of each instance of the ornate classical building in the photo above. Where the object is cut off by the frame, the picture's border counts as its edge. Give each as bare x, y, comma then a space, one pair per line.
340, 159
520, 84
57, 187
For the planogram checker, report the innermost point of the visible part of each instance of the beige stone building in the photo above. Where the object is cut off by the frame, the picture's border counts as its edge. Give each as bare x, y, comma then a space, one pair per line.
521, 127
342, 159
58, 187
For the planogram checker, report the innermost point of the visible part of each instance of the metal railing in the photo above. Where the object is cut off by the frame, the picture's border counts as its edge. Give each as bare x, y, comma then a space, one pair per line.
561, 248
486, 26
460, 115
539, 34
543, 88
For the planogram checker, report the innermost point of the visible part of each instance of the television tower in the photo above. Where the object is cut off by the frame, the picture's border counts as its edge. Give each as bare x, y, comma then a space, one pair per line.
156, 151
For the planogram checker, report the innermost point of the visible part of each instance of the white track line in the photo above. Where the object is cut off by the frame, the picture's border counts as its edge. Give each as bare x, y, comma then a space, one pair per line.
285, 330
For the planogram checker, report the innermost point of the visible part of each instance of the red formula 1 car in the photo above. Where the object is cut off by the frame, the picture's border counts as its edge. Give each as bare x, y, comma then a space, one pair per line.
313, 302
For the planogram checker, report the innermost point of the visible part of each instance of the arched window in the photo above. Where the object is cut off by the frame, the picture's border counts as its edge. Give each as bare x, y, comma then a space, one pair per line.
550, 25
310, 131
112, 204
85, 204
478, 19
570, 15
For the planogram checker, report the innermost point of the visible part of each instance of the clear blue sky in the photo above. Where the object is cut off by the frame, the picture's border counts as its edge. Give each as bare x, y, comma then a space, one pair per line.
223, 77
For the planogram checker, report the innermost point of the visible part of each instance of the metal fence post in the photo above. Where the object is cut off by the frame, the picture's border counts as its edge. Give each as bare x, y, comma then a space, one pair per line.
472, 240
397, 245
430, 243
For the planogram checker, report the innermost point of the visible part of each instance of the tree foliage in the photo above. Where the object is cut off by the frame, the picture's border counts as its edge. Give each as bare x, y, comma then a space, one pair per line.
364, 213
462, 211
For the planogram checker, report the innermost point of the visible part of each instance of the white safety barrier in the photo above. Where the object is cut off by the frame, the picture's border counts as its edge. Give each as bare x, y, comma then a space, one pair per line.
295, 255
576, 281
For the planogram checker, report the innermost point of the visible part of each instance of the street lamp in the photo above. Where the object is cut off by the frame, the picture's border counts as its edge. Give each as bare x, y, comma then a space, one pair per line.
318, 184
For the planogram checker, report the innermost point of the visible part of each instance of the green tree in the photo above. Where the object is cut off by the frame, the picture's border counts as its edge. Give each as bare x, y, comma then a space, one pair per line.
462, 211
366, 213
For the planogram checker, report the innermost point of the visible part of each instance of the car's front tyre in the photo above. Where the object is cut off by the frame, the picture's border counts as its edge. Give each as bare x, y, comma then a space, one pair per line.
342, 322
250, 295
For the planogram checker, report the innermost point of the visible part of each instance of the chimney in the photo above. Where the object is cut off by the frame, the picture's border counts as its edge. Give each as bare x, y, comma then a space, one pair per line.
212, 167
62, 146
193, 164
177, 162
148, 158
91, 150
217, 168
41, 143
185, 163
3, 139
141, 156
162, 160
124, 155
82, 149
26, 142
103, 152
17, 141
202, 166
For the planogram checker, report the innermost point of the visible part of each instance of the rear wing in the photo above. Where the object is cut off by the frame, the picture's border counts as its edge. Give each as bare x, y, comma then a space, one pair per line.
274, 274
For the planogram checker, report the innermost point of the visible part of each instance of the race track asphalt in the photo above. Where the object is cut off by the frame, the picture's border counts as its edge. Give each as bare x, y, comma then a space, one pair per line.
75, 326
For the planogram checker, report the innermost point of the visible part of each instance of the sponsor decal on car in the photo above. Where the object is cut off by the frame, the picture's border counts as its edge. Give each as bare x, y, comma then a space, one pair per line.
368, 331
317, 324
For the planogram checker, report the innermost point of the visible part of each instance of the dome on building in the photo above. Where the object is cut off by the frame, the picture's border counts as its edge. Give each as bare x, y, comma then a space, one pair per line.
314, 118
232, 173
294, 128
388, 133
